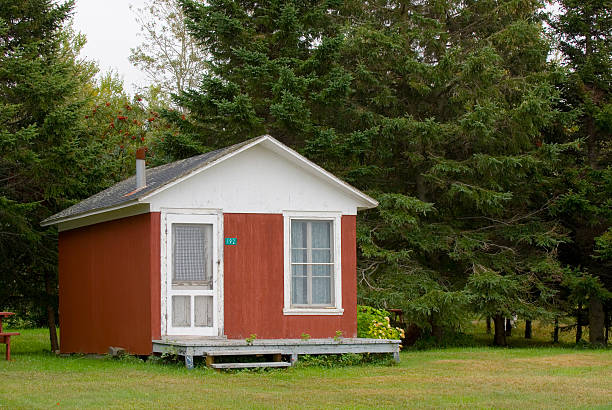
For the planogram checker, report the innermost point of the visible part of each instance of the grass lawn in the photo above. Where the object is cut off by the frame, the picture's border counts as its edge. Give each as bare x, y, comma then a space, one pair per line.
464, 377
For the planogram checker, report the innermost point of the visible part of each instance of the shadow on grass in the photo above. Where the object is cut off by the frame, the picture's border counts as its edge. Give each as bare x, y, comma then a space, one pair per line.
474, 335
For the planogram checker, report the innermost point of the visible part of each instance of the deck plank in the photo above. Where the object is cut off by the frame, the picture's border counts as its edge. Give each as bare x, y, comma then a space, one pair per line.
240, 352
249, 365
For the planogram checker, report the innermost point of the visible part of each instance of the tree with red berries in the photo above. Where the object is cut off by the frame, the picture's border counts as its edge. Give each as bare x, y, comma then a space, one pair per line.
121, 123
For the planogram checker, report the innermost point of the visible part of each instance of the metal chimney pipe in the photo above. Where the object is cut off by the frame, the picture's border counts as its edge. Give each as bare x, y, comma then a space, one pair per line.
141, 178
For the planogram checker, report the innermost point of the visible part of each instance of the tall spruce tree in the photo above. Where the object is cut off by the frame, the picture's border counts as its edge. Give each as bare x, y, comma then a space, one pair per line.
42, 158
584, 33
436, 108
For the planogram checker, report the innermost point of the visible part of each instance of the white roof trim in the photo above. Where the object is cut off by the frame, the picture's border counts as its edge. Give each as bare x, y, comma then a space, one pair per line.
291, 154
89, 213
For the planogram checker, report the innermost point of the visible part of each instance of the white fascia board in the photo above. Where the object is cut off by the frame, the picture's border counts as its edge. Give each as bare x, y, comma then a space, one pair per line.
99, 215
288, 153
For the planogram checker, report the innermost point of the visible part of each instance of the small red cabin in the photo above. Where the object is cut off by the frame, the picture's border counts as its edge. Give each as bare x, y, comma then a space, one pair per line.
249, 239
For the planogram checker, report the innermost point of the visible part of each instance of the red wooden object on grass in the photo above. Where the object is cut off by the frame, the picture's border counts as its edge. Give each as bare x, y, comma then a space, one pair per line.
5, 337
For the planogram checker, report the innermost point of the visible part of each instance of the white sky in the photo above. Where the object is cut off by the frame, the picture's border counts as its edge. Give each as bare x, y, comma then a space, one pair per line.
111, 31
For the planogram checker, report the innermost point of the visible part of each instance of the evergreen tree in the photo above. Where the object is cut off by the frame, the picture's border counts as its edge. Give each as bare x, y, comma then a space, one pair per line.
583, 30
42, 157
436, 108
464, 91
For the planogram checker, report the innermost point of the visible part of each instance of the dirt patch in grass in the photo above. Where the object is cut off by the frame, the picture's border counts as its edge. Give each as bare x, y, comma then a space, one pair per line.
458, 361
470, 364
564, 360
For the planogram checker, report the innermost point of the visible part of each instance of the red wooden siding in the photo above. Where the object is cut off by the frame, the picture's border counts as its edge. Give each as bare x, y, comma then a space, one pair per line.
253, 282
109, 277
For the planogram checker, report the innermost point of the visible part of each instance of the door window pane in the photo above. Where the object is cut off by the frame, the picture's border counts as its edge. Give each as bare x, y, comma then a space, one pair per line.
181, 311
192, 253
203, 314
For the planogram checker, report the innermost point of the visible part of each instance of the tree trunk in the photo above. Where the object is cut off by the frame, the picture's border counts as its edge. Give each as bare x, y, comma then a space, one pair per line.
596, 321
413, 333
488, 325
556, 331
607, 325
499, 338
508, 328
51, 322
436, 329
579, 324
527, 329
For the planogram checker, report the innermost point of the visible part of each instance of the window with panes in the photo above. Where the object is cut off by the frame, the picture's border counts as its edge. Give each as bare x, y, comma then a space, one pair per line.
312, 263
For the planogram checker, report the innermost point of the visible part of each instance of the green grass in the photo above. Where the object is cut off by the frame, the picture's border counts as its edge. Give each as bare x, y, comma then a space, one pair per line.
479, 377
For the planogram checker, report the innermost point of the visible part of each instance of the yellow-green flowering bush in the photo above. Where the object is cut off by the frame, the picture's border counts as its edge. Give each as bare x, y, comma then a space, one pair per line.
375, 324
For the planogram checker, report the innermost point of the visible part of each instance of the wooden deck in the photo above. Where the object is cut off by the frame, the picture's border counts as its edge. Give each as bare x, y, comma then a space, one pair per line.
189, 347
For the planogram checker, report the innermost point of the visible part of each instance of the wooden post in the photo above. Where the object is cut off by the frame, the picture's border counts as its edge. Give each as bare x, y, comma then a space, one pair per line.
7, 340
209, 360
189, 361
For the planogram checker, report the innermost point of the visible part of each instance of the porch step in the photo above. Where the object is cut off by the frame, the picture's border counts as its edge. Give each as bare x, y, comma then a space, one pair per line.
249, 365
241, 352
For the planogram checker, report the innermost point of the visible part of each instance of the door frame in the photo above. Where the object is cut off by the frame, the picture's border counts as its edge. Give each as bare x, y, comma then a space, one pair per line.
218, 260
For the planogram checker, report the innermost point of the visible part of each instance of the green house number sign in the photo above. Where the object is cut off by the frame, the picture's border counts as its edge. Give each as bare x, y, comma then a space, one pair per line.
231, 241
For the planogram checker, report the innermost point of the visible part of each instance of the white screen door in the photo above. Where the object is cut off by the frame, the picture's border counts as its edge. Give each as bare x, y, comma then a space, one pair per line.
192, 275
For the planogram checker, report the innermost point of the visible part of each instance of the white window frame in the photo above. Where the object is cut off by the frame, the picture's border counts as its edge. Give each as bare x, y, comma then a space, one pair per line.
336, 218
